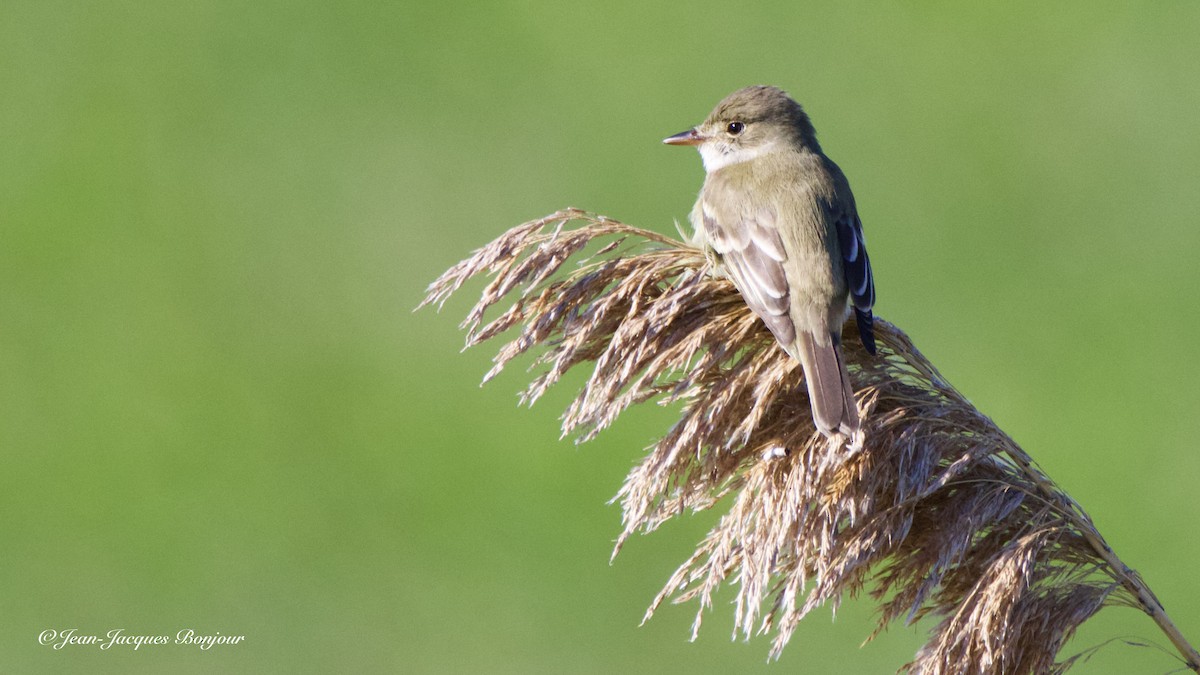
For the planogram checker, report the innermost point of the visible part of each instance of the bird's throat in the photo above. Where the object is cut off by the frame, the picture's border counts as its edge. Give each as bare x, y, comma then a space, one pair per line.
717, 157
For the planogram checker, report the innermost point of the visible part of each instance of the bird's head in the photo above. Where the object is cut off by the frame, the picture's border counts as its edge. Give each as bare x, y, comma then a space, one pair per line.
746, 124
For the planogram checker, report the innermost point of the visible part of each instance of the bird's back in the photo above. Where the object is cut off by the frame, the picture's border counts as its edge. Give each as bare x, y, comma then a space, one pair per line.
793, 214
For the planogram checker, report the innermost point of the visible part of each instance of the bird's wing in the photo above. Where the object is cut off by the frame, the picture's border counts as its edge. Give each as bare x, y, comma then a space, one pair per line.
856, 268
753, 254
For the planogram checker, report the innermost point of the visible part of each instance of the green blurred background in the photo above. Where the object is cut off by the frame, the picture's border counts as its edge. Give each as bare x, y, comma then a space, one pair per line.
217, 411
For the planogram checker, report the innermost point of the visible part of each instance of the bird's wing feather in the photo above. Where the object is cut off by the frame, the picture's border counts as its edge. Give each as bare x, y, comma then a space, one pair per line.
753, 253
856, 268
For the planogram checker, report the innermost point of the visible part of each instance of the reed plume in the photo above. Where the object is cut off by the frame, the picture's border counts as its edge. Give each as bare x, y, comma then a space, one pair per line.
938, 514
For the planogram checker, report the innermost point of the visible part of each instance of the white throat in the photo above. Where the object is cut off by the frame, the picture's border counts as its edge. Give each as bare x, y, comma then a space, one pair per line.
716, 158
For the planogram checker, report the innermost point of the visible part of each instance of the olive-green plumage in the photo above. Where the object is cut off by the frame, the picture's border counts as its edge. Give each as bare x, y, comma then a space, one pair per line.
781, 219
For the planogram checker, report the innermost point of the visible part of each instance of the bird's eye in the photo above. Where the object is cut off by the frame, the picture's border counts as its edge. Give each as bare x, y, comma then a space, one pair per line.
735, 128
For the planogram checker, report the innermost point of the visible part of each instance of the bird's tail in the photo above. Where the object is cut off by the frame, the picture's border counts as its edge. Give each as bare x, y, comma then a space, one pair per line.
829, 390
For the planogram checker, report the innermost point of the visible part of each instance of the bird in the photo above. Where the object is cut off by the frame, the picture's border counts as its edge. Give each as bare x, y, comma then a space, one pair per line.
778, 217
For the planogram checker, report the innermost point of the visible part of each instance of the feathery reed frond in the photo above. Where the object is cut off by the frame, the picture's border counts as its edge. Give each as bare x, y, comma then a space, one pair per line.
938, 514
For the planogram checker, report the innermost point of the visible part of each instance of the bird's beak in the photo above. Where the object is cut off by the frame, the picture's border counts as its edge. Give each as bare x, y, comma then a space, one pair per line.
689, 137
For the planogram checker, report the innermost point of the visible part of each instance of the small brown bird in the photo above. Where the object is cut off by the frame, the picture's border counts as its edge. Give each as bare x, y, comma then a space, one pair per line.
781, 219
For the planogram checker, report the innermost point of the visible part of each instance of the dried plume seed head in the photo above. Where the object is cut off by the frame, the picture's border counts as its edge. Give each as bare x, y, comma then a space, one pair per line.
939, 514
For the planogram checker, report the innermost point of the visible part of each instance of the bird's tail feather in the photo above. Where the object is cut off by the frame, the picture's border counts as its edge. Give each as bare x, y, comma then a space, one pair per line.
829, 388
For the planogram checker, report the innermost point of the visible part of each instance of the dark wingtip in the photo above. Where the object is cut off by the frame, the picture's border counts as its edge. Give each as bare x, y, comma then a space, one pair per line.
866, 331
